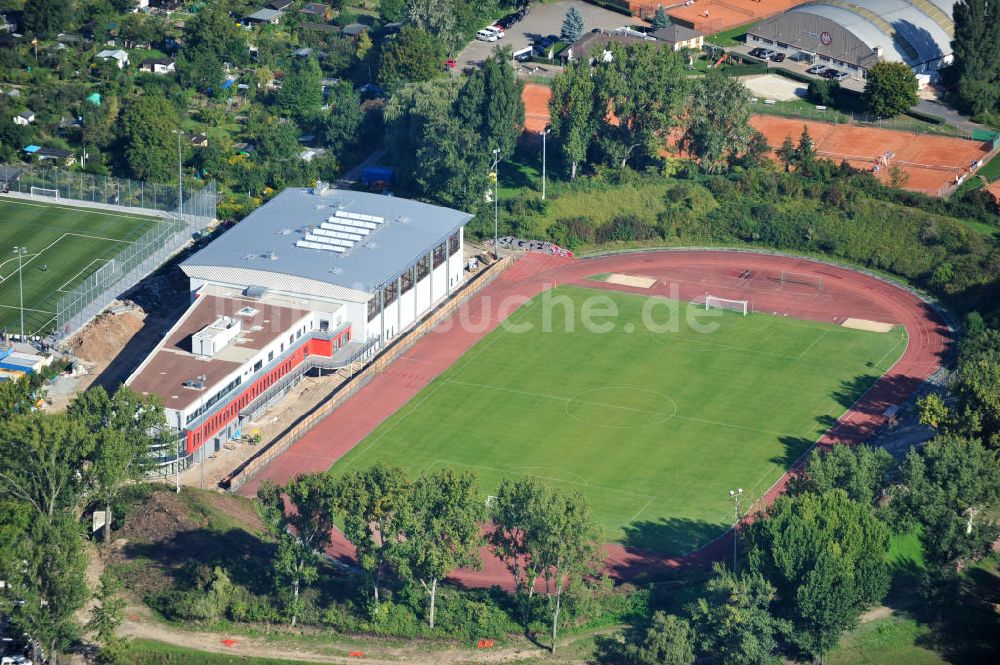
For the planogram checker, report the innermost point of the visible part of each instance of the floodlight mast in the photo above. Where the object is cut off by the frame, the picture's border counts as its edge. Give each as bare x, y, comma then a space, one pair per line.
735, 496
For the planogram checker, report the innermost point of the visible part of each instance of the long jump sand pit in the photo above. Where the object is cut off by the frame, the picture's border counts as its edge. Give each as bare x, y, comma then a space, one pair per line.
865, 324
630, 280
932, 163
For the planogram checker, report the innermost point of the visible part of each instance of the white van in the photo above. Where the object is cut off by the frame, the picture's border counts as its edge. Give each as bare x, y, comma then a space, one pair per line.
499, 32
486, 36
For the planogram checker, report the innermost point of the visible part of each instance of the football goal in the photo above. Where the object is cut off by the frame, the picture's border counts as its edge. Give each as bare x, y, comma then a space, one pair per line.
740, 306
44, 192
789, 277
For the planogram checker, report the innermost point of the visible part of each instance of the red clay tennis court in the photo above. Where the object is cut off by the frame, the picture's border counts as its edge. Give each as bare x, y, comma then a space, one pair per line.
932, 162
536, 106
712, 16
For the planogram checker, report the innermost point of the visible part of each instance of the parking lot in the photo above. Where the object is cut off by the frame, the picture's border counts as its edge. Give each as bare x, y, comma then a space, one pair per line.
543, 20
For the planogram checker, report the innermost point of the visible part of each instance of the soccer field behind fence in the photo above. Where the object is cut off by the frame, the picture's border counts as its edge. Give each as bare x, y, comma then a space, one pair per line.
86, 239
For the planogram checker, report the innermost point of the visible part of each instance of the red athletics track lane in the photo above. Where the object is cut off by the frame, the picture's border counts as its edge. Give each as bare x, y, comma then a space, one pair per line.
686, 275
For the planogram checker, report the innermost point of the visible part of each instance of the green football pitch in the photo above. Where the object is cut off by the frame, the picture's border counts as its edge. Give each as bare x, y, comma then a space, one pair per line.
654, 428
64, 245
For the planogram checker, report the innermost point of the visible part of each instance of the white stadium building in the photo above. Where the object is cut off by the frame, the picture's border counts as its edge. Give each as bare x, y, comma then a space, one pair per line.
317, 277
853, 35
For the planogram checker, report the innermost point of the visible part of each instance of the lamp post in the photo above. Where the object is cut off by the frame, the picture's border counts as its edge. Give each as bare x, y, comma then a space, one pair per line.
21, 251
496, 203
544, 133
735, 495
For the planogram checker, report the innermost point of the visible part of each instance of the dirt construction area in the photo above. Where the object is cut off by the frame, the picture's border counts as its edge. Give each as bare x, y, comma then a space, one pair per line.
932, 163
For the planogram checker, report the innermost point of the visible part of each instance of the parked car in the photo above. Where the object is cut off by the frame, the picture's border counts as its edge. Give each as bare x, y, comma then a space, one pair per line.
758, 52
816, 69
778, 57
450, 64
829, 73
523, 57
840, 76
508, 21
486, 36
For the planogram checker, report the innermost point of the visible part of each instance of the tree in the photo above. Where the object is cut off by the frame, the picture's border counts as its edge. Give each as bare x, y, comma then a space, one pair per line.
375, 506
46, 18
898, 177
565, 546
660, 19
572, 112
126, 427
47, 577
363, 47
391, 10
302, 530
452, 163
148, 123
214, 29
945, 487
976, 48
645, 89
43, 459
932, 410
406, 115
340, 125
890, 89
825, 556
821, 91
437, 17
106, 616
515, 510
859, 470
503, 105
414, 55
805, 151
301, 93
445, 532
758, 150
733, 623
719, 126
200, 67
786, 153
572, 26
100, 123
669, 640
16, 398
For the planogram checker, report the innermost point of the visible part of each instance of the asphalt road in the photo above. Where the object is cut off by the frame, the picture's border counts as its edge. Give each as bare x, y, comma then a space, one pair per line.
542, 20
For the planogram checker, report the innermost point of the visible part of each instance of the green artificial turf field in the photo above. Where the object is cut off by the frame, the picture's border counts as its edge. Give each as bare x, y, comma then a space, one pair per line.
655, 428
64, 245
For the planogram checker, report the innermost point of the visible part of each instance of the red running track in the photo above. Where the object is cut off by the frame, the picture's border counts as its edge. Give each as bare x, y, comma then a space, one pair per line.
685, 275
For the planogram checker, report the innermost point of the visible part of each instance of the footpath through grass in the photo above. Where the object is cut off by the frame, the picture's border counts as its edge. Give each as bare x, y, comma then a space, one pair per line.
654, 427
64, 245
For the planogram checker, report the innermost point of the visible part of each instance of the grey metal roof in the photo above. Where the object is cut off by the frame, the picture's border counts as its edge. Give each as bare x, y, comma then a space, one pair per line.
674, 33
911, 31
803, 30
265, 14
265, 241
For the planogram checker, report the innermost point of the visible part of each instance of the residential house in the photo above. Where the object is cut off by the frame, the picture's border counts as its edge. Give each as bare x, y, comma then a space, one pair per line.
596, 45
118, 55
158, 65
24, 118
317, 11
199, 141
263, 17
58, 155
354, 31
280, 5
679, 37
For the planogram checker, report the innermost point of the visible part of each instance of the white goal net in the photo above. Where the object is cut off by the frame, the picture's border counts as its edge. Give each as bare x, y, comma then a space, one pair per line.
44, 192
713, 302
789, 277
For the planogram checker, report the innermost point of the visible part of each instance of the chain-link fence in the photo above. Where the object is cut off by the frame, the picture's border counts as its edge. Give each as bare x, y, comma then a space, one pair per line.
51, 183
863, 119
137, 259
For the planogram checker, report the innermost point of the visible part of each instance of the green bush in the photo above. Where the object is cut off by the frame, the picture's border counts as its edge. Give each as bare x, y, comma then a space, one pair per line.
627, 228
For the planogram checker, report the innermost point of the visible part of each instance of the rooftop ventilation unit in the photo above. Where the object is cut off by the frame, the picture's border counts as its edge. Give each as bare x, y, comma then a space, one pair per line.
197, 383
211, 339
248, 311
